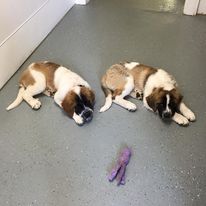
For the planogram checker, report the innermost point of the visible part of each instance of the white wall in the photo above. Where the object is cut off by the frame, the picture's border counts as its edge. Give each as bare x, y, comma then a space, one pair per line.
23, 25
14, 13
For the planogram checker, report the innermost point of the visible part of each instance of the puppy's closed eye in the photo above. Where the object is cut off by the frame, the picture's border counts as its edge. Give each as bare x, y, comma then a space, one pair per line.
155, 98
69, 103
88, 97
176, 97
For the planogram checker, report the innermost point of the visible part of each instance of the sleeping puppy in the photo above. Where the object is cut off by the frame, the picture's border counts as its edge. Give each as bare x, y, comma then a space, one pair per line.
155, 87
72, 93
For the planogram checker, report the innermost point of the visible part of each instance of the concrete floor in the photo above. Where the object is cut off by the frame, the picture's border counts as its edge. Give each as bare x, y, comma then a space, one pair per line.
47, 160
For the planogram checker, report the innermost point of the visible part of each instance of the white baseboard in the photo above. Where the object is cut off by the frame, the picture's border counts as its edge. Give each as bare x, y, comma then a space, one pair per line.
22, 43
202, 7
190, 7
82, 2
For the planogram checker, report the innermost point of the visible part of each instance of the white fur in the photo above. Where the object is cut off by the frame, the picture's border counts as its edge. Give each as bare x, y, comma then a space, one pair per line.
17, 101
187, 112
76, 89
167, 103
40, 81
129, 86
31, 65
131, 65
124, 103
78, 119
108, 103
66, 80
180, 119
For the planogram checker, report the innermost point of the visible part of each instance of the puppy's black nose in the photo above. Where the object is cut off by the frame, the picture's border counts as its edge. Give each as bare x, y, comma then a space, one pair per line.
167, 115
87, 115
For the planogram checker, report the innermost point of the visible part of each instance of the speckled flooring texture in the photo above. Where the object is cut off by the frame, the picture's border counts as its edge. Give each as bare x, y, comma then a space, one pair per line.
47, 160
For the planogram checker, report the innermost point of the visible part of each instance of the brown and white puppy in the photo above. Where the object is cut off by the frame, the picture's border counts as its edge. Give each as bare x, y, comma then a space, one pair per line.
70, 91
155, 87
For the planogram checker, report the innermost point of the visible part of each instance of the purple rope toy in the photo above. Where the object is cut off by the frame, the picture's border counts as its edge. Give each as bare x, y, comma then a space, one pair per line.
119, 170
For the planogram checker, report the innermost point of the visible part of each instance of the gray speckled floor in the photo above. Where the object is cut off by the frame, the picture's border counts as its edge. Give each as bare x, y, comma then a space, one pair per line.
47, 160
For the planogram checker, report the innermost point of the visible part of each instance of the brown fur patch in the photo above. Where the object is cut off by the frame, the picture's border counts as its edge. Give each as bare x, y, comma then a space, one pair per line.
48, 69
69, 103
155, 97
89, 94
116, 93
115, 77
177, 97
105, 89
26, 79
141, 73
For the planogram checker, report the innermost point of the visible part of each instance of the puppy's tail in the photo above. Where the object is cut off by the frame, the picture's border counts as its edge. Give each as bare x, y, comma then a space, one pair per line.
108, 95
18, 99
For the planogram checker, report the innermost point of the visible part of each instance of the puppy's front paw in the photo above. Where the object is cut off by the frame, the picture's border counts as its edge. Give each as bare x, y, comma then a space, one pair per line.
131, 107
78, 119
35, 104
181, 120
190, 115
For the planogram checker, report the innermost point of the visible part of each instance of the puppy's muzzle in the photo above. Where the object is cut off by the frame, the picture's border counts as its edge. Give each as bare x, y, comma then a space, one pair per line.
166, 115
87, 115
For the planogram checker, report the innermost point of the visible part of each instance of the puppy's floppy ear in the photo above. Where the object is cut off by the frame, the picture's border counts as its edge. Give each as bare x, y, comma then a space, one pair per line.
177, 97
69, 103
88, 94
154, 98
151, 102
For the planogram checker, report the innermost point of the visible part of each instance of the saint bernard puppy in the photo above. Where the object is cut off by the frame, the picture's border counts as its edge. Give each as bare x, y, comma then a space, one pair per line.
70, 91
155, 87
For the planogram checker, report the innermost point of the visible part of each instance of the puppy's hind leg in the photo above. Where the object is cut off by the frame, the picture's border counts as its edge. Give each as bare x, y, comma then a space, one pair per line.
18, 99
119, 95
31, 91
108, 101
58, 98
108, 95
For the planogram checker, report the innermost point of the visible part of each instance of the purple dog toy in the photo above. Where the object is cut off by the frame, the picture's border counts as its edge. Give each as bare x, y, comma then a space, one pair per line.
118, 171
